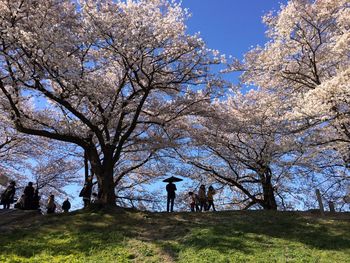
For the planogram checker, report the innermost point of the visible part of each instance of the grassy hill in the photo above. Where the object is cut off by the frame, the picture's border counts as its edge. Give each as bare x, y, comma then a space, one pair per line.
126, 236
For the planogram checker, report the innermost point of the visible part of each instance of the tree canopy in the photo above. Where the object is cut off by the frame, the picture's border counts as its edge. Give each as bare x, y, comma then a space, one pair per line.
125, 85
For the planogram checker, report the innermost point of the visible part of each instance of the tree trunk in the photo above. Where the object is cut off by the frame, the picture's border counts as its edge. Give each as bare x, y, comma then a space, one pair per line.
104, 175
86, 167
107, 189
269, 202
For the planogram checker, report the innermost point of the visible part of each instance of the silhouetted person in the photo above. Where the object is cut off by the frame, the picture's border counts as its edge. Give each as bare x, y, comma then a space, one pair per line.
202, 198
28, 196
170, 188
36, 200
196, 202
7, 197
66, 205
210, 197
51, 206
192, 200
85, 193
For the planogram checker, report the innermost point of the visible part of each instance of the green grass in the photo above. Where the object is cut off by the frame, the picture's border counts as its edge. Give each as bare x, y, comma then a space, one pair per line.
251, 236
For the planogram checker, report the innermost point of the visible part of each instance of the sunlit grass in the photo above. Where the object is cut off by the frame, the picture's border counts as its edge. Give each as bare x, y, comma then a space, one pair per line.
255, 236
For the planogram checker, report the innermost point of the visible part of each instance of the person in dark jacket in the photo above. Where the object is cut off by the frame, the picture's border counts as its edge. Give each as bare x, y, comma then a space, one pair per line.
210, 198
36, 200
28, 196
7, 197
170, 188
85, 193
197, 202
66, 205
202, 198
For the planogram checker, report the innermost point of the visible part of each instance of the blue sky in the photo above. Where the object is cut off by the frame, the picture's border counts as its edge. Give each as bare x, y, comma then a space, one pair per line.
230, 26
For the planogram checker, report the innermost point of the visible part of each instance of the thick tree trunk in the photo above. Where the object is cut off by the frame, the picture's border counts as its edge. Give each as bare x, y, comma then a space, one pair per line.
107, 189
104, 175
269, 202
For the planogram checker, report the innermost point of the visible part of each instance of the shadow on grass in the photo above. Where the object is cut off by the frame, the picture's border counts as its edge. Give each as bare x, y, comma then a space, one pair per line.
81, 234
257, 231
225, 232
271, 229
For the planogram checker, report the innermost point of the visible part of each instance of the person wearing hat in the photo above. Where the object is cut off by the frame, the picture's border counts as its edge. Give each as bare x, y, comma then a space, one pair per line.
7, 197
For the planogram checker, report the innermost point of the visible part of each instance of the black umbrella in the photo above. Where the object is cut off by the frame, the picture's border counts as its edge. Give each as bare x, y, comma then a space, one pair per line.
172, 179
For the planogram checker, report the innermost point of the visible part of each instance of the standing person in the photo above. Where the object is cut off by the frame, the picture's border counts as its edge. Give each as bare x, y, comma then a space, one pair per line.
28, 196
7, 197
196, 202
51, 206
202, 198
66, 205
85, 193
170, 188
210, 195
192, 200
36, 200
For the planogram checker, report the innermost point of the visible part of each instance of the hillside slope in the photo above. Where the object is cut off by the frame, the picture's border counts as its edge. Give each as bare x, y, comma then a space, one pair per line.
125, 236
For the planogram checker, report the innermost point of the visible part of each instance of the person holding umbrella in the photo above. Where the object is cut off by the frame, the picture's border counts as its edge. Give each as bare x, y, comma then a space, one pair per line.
171, 188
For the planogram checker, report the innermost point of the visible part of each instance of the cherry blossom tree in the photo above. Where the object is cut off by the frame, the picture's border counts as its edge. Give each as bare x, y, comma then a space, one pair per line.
247, 148
304, 67
12, 150
26, 158
239, 143
51, 166
306, 64
102, 75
